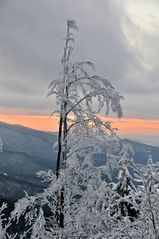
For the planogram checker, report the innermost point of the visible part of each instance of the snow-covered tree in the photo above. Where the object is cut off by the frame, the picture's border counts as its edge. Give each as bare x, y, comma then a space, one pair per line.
147, 204
124, 200
5, 224
3, 232
150, 177
150, 198
86, 201
80, 96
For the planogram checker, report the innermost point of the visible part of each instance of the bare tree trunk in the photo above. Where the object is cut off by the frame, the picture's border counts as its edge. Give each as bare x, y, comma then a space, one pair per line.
58, 162
62, 138
61, 221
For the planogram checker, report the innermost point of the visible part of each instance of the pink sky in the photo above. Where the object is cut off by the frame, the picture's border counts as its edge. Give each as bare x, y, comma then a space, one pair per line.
126, 126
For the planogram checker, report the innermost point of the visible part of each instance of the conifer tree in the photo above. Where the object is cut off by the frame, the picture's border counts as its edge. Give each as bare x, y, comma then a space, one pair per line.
150, 198
124, 199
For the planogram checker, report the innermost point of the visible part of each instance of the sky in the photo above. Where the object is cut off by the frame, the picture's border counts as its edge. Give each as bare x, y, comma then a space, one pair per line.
119, 36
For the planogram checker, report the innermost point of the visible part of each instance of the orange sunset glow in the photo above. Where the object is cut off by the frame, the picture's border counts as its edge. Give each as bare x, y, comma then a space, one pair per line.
126, 126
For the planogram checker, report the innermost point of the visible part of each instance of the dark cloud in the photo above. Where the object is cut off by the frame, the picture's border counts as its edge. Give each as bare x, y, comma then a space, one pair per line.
31, 48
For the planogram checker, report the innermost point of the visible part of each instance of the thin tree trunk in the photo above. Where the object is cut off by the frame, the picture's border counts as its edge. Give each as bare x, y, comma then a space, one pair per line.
62, 141
61, 221
58, 162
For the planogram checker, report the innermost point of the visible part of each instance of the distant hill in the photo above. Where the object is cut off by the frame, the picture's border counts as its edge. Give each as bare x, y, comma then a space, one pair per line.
27, 151
142, 151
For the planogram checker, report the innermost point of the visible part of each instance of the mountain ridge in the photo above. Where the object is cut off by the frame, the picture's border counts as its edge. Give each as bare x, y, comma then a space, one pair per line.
27, 151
